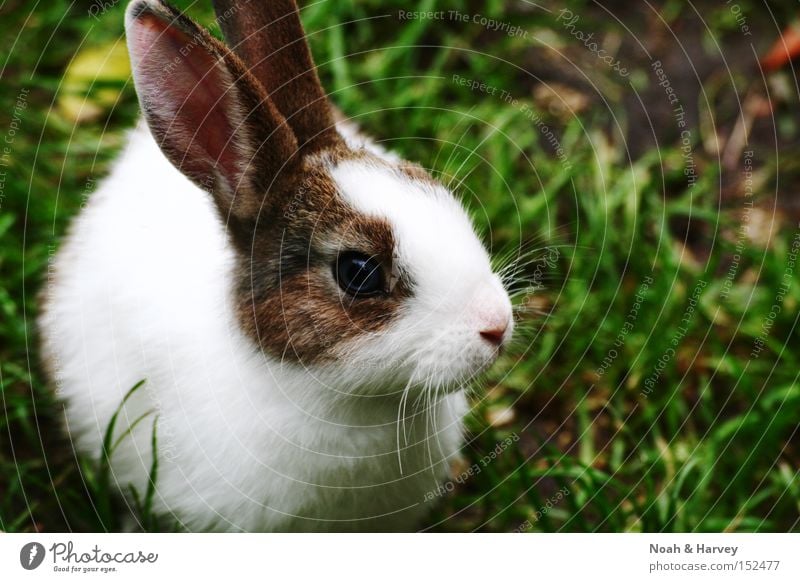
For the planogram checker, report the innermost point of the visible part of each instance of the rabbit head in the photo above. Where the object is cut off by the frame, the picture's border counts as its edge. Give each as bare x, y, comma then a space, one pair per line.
350, 264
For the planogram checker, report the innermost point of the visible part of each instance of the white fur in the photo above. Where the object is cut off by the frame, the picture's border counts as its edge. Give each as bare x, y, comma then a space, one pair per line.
140, 290
456, 294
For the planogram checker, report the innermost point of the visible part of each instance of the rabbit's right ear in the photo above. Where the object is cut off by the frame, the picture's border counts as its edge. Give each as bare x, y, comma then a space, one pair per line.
211, 118
269, 38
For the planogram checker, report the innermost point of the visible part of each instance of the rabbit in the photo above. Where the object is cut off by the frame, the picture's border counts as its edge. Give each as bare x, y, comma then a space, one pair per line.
305, 309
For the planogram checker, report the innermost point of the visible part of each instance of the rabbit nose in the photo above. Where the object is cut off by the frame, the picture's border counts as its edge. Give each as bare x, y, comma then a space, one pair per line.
495, 335
492, 312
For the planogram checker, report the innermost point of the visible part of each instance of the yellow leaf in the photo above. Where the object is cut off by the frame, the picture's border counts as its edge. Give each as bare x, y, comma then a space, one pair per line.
85, 94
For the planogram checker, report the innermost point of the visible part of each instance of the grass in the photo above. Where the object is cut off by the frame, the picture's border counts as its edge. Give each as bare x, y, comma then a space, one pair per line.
650, 388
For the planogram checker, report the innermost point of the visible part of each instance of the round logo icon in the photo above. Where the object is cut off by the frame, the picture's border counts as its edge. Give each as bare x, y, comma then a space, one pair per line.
31, 555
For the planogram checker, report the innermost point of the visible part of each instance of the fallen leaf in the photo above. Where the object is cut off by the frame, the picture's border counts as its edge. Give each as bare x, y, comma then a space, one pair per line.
560, 100
499, 416
85, 92
783, 50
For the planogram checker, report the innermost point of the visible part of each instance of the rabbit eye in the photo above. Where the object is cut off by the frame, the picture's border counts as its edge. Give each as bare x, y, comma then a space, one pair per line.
358, 274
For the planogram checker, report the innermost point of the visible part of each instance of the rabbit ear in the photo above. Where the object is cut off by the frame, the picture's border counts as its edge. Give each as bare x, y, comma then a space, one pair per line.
210, 117
268, 36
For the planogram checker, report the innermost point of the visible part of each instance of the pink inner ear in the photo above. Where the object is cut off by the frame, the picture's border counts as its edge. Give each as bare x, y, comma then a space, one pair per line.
191, 98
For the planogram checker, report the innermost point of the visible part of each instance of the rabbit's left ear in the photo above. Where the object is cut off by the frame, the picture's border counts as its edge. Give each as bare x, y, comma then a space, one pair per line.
210, 117
268, 36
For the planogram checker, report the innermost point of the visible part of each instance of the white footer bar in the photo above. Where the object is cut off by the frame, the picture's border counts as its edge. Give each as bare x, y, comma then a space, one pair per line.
389, 557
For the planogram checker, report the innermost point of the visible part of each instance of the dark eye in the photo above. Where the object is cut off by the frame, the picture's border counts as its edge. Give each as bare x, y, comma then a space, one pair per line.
358, 274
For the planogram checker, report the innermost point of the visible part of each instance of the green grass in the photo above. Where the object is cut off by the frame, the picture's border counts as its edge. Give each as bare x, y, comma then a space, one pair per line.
710, 445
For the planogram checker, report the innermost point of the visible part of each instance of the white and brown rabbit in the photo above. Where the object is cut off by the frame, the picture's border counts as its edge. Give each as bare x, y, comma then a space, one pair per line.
304, 307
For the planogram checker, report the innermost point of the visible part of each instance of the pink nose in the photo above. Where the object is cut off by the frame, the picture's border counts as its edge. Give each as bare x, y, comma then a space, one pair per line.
495, 334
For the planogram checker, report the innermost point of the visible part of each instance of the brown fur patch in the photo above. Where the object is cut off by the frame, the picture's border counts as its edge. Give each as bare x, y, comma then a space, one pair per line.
268, 36
288, 299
